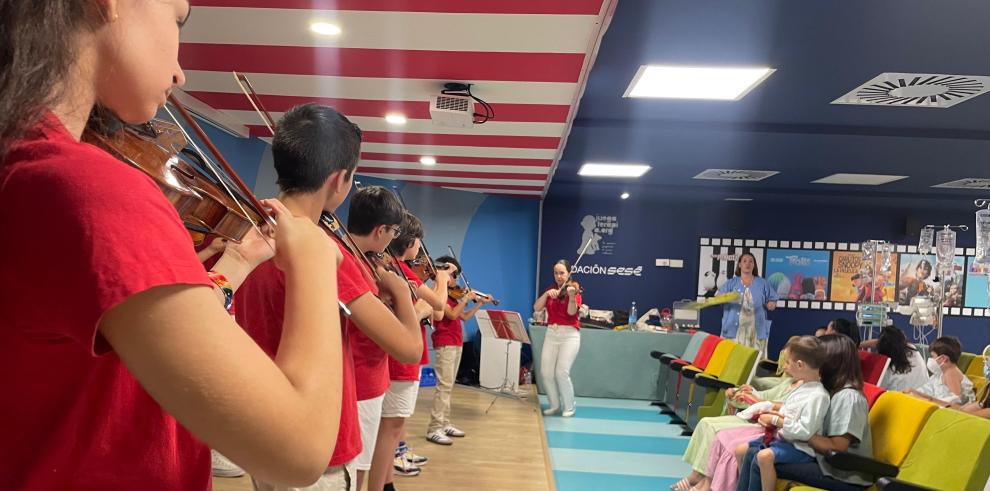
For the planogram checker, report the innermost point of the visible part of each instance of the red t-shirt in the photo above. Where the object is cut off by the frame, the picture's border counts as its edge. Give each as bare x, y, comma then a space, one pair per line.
261, 310
84, 232
401, 371
370, 361
557, 311
448, 332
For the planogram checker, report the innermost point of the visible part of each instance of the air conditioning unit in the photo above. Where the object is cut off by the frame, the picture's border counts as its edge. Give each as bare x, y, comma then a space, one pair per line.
452, 110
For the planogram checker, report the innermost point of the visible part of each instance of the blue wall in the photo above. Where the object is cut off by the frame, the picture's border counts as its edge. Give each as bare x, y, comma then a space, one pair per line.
658, 228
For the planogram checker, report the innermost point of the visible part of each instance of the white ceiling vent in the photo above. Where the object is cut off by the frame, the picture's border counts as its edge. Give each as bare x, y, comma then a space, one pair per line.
736, 175
916, 90
969, 183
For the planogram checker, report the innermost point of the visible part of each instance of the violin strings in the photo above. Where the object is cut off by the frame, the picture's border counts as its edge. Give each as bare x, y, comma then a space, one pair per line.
216, 173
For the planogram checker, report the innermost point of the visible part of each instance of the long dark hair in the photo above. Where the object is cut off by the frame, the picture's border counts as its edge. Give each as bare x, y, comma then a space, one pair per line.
842, 366
894, 345
756, 266
37, 50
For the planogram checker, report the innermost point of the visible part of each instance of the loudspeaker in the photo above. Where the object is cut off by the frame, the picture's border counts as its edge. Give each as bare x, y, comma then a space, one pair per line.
912, 226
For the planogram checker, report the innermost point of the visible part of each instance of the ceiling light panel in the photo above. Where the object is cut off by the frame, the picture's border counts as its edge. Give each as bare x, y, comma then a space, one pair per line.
677, 82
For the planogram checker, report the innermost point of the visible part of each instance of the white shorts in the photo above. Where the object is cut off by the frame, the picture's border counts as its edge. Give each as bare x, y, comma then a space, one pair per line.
369, 416
400, 400
337, 478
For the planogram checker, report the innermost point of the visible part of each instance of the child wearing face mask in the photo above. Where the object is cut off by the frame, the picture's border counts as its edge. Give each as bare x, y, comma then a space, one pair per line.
947, 384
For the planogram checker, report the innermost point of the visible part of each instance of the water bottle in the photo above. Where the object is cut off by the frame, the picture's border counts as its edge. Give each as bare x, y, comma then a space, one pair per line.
632, 315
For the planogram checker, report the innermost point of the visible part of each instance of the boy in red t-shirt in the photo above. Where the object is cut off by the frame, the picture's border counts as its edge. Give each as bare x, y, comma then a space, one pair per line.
400, 399
448, 342
374, 219
316, 178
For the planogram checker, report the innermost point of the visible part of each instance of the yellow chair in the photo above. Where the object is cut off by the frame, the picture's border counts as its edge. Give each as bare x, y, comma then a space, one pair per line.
709, 395
715, 366
896, 420
975, 373
952, 452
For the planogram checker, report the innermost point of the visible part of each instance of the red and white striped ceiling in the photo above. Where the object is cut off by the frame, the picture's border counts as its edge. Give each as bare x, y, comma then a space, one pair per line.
528, 58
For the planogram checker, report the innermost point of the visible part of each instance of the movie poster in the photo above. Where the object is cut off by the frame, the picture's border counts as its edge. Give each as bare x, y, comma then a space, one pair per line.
976, 284
850, 284
717, 264
798, 274
917, 277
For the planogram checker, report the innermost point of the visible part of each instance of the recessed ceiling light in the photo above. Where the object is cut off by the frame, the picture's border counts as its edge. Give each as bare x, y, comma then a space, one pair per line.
396, 119
676, 82
613, 170
739, 199
624, 195
324, 28
428, 161
859, 179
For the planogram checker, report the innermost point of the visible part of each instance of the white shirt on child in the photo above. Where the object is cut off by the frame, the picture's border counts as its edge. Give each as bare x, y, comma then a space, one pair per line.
936, 389
804, 412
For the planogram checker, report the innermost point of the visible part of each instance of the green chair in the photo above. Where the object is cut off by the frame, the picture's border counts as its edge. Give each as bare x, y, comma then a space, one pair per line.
708, 397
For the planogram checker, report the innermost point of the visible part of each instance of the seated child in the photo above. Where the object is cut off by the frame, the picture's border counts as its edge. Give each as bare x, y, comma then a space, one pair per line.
947, 384
801, 416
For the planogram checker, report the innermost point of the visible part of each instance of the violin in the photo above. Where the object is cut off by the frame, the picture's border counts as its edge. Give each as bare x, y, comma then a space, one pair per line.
562, 291
424, 267
160, 150
388, 262
458, 292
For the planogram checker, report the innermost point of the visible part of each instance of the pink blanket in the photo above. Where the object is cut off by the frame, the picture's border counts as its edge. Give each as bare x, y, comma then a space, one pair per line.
722, 466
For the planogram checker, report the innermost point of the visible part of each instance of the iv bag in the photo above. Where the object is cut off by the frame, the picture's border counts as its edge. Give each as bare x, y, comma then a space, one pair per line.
868, 249
983, 236
886, 252
945, 251
925, 243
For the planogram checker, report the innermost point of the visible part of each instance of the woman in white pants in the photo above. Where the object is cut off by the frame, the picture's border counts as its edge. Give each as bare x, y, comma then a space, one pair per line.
563, 339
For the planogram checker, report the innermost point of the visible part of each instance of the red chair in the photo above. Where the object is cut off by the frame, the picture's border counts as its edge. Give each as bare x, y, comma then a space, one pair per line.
874, 366
700, 362
873, 392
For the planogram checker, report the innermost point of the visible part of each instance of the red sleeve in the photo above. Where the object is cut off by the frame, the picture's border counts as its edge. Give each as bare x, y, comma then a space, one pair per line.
410, 275
350, 280
91, 232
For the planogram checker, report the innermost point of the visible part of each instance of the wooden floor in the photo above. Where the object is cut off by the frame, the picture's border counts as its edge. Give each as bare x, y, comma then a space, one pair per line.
503, 450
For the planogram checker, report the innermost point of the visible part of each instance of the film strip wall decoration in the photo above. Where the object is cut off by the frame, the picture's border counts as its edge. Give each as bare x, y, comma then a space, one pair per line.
819, 275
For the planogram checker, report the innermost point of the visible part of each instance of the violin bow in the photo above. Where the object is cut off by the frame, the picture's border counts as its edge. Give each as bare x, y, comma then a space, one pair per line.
270, 124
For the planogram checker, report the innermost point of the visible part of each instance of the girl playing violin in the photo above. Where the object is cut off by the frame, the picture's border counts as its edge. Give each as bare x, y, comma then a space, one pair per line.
119, 358
563, 339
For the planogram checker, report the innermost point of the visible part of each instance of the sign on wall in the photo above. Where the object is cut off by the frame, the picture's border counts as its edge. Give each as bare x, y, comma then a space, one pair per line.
600, 231
916, 277
849, 284
976, 284
798, 274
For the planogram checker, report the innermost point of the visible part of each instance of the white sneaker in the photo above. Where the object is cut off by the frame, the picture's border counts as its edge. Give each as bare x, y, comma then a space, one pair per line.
568, 413
439, 437
550, 411
223, 467
416, 460
450, 430
402, 467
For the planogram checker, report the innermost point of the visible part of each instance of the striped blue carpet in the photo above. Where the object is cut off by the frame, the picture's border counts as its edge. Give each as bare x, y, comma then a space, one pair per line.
617, 444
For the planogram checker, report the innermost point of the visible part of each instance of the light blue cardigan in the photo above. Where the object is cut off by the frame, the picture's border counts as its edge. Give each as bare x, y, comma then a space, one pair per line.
761, 292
